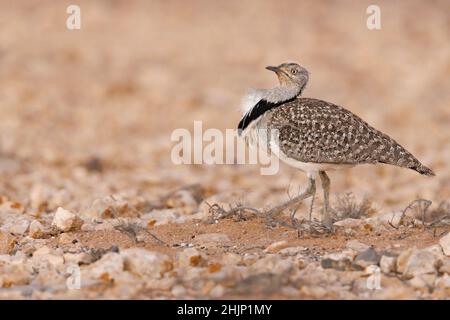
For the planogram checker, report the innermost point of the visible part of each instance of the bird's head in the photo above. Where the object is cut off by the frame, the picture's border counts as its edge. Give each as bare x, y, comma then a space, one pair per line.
291, 74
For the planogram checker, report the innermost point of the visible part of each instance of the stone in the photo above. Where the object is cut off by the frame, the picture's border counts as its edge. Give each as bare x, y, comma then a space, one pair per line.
395, 292
217, 292
402, 260
443, 282
110, 266
292, 251
391, 219
164, 216
276, 246
78, 258
13, 271
191, 257
59, 198
109, 208
388, 264
357, 245
179, 291
273, 264
45, 259
349, 223
445, 244
231, 258
445, 266
7, 243
63, 219
143, 262
88, 227
36, 229
39, 196
419, 263
212, 237
339, 261
183, 199
249, 258
436, 250
366, 258
422, 281
19, 228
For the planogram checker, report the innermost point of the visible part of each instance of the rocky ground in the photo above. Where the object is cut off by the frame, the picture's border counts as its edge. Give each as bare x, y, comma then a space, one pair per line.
91, 205
119, 249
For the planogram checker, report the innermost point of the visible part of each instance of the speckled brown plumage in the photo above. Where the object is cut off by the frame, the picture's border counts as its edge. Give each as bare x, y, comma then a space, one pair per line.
315, 131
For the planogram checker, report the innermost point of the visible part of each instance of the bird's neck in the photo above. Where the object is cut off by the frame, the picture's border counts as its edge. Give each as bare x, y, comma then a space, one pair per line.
275, 95
282, 93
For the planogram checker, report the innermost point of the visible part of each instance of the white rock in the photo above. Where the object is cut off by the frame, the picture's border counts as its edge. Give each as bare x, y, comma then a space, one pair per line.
388, 264
443, 282
420, 262
445, 244
212, 237
64, 219
445, 267
111, 265
9, 207
59, 198
39, 195
143, 262
41, 251
7, 243
36, 229
19, 228
45, 258
88, 227
179, 291
357, 245
403, 258
349, 223
391, 219
366, 258
423, 281
231, 258
277, 246
338, 260
292, 251
78, 258
14, 271
435, 249
272, 263
217, 292
164, 216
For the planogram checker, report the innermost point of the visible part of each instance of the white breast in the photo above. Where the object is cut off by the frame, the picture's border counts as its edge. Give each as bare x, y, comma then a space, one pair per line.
251, 99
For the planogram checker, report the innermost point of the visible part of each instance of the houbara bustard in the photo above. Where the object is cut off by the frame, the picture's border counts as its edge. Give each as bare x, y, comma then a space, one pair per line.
314, 136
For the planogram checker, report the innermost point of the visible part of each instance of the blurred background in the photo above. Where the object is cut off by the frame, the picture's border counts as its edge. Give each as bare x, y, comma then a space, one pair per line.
86, 113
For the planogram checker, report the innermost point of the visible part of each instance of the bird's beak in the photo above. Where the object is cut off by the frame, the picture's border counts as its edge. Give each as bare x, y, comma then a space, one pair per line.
274, 69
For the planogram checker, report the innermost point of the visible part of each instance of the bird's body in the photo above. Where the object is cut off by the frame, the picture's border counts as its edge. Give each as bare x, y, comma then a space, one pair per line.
315, 136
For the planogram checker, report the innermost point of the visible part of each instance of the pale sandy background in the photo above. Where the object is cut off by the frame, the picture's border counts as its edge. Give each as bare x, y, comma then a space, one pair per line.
139, 69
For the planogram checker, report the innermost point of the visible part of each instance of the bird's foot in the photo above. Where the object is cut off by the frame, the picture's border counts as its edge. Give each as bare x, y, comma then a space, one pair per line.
327, 217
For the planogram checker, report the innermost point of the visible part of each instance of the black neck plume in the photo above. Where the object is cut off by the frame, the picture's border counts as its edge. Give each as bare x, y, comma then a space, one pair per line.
258, 110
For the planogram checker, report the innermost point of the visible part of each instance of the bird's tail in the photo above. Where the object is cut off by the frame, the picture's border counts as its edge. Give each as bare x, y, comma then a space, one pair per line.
420, 168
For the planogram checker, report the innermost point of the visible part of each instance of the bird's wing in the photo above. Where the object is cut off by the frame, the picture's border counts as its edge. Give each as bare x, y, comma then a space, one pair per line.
316, 131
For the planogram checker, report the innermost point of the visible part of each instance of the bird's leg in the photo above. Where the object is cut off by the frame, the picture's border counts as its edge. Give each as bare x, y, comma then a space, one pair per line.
326, 191
310, 191
312, 206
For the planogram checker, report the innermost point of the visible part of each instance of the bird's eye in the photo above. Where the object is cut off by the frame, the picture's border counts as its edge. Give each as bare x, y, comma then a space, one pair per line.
294, 71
